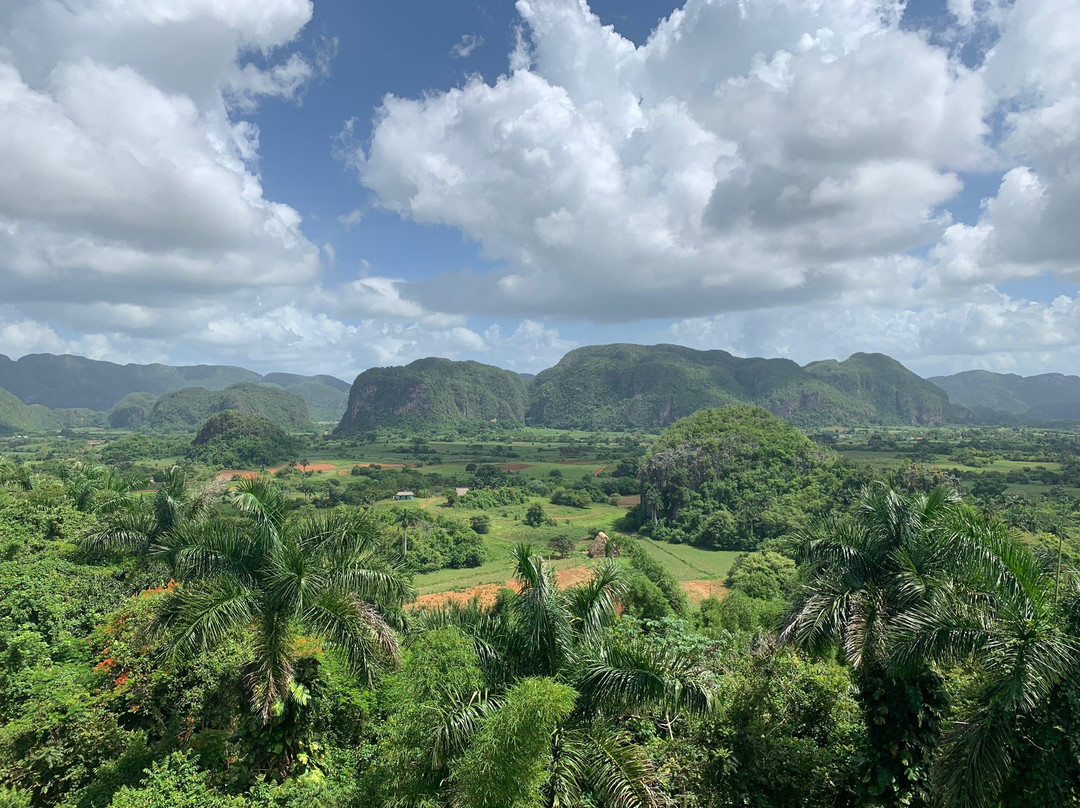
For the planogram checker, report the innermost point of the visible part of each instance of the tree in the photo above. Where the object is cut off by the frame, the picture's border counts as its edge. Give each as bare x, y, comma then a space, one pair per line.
406, 518
864, 575
1016, 617
558, 643
148, 525
276, 577
535, 516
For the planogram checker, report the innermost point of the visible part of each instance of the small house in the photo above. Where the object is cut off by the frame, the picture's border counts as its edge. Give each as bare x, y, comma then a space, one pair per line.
461, 491
404, 495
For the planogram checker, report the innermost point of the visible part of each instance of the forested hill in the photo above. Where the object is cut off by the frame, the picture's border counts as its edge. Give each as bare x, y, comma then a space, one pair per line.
77, 382
998, 397
645, 387
435, 392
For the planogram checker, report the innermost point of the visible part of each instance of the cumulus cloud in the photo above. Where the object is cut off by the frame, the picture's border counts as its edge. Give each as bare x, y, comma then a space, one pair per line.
747, 154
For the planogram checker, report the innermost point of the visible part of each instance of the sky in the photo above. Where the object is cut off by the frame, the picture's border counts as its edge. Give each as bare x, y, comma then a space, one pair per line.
327, 186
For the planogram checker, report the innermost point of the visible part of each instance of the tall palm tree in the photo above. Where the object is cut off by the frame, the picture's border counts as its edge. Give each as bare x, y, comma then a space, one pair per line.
280, 578
864, 574
564, 635
406, 518
1017, 618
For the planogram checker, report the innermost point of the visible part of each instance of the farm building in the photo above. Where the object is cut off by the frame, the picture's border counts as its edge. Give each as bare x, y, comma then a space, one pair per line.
400, 495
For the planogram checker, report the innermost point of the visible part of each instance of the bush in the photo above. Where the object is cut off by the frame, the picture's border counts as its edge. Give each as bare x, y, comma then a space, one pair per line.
561, 545
481, 523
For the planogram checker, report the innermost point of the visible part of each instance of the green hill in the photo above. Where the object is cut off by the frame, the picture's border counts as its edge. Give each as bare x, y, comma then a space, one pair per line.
17, 418
77, 382
729, 478
887, 390
434, 392
997, 397
646, 387
230, 438
184, 410
132, 411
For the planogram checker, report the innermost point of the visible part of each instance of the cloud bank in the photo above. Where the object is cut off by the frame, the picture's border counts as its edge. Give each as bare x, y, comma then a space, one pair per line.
774, 177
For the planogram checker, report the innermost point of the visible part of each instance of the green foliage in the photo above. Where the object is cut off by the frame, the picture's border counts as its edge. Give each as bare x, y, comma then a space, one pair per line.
730, 478
765, 575
174, 783
787, 735
231, 439
481, 523
535, 516
643, 599
507, 761
434, 393
184, 410
664, 582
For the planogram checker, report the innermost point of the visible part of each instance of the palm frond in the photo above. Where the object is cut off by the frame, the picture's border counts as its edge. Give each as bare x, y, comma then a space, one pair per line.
620, 772
200, 618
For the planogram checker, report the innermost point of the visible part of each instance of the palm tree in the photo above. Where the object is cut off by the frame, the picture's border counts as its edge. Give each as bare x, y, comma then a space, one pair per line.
406, 518
1017, 619
145, 526
280, 578
864, 574
96, 488
564, 635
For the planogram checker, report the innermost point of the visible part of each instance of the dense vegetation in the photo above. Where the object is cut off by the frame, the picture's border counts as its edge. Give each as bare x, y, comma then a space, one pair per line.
734, 477
185, 409
252, 644
235, 440
434, 393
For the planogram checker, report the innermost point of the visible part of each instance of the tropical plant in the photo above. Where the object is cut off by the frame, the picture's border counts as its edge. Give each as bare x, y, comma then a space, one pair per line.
279, 578
543, 634
406, 518
147, 526
1017, 618
864, 574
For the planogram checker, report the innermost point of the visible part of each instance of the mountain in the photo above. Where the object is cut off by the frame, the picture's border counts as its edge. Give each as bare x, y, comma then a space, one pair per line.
229, 438
77, 382
647, 387
434, 392
999, 397
885, 387
186, 409
17, 418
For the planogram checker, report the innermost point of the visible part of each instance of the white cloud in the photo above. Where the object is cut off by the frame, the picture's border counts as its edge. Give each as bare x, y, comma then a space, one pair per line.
465, 46
125, 177
747, 154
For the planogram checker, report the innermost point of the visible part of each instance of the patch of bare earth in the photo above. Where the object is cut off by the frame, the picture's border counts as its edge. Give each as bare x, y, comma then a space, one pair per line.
486, 592
630, 501
697, 591
309, 467
514, 466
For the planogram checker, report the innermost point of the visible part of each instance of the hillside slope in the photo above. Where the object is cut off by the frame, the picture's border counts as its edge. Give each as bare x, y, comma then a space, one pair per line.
647, 387
77, 382
432, 393
997, 397
186, 409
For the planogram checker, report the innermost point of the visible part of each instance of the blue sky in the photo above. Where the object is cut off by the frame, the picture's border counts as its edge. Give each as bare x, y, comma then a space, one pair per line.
325, 186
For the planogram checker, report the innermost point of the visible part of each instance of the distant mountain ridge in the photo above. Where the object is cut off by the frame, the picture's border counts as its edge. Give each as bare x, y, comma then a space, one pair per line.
69, 382
624, 386
617, 387
646, 387
998, 397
